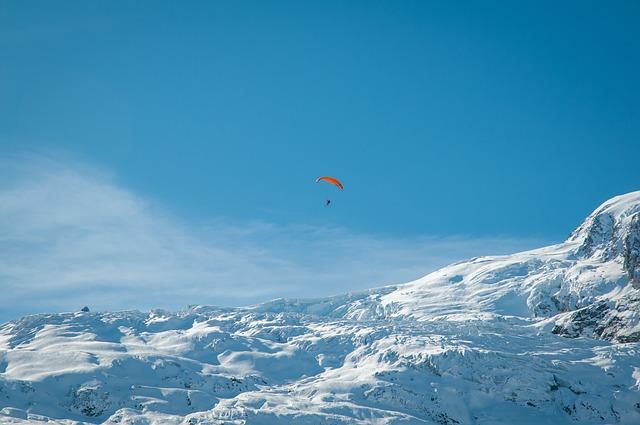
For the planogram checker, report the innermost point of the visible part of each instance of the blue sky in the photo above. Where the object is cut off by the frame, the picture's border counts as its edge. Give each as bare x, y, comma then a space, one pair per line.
498, 125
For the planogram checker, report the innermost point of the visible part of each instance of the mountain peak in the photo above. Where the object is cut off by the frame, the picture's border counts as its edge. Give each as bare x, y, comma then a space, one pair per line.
613, 231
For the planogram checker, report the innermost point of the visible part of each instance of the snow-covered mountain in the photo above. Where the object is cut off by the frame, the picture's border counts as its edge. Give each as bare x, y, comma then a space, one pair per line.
544, 336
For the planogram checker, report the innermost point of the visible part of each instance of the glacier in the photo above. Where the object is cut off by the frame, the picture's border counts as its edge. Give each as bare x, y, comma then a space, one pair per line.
550, 335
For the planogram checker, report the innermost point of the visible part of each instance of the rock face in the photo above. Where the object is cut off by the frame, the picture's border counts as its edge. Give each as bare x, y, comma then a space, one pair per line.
632, 251
544, 336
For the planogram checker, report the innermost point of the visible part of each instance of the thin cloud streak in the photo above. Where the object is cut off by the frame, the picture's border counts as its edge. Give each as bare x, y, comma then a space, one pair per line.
71, 236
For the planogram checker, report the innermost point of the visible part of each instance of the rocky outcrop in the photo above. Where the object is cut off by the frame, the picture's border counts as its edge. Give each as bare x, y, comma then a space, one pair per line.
631, 252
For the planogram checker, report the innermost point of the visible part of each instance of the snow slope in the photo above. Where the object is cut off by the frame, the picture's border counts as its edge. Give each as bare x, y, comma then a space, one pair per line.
544, 336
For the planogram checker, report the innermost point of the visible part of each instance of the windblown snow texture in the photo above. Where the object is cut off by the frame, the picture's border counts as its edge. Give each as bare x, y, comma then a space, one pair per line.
544, 336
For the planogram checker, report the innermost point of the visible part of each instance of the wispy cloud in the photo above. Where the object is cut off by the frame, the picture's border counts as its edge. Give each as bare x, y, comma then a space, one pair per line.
71, 236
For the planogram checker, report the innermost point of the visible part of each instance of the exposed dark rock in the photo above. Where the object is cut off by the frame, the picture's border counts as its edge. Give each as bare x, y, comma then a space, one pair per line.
587, 318
631, 252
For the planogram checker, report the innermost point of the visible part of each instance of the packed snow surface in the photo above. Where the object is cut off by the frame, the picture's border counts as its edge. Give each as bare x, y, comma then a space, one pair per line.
544, 336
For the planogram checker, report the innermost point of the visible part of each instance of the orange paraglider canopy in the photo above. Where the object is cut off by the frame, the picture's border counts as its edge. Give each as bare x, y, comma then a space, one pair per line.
331, 180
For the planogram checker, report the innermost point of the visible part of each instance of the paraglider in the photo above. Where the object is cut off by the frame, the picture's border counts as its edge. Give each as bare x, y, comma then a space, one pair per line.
330, 180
